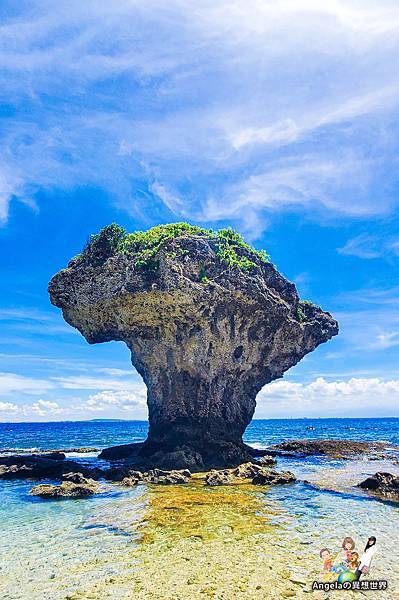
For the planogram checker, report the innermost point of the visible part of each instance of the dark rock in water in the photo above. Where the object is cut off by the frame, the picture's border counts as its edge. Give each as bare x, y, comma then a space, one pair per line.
131, 477
258, 453
67, 489
54, 455
223, 477
34, 466
50, 454
208, 320
267, 461
130, 481
117, 473
270, 477
181, 457
333, 448
120, 452
84, 450
167, 477
384, 485
257, 473
76, 478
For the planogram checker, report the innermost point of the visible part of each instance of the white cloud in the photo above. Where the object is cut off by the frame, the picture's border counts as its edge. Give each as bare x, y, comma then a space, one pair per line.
8, 407
13, 383
120, 400
221, 110
354, 397
357, 396
42, 408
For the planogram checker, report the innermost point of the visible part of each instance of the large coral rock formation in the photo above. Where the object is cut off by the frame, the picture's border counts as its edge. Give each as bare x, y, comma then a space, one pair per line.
208, 321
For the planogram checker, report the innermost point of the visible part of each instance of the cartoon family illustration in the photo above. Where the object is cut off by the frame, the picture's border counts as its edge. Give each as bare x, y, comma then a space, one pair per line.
346, 565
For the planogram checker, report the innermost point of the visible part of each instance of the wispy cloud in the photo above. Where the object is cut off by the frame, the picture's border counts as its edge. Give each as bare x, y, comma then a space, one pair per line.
14, 383
30, 320
371, 246
83, 382
217, 110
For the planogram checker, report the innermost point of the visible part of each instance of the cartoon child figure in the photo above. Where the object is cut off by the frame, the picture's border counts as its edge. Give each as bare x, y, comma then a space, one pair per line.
328, 568
348, 546
325, 555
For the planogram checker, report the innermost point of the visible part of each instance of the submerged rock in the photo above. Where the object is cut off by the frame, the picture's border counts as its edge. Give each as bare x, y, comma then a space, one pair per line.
270, 477
258, 474
167, 477
130, 481
120, 452
208, 320
334, 448
77, 478
215, 477
384, 485
249, 470
267, 461
35, 466
67, 489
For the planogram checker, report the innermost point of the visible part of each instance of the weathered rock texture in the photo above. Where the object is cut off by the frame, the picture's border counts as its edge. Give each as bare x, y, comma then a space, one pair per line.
204, 346
383, 485
67, 489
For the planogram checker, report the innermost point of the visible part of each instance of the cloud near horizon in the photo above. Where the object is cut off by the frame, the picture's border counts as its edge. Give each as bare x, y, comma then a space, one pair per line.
228, 110
280, 399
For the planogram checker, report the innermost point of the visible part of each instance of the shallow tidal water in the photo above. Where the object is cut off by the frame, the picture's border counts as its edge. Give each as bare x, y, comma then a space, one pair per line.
195, 542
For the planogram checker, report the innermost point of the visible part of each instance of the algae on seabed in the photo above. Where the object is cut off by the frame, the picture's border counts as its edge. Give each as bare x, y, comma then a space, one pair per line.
218, 542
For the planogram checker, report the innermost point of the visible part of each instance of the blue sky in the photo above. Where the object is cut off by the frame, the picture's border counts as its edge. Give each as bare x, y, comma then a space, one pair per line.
278, 118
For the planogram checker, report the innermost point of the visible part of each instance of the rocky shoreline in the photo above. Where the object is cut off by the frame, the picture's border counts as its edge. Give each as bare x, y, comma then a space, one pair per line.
80, 480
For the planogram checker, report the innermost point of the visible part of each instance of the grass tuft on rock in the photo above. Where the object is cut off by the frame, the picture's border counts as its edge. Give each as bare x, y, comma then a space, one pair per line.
144, 246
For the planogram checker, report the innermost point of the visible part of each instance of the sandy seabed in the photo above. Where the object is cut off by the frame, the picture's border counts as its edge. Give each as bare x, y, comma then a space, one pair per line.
194, 541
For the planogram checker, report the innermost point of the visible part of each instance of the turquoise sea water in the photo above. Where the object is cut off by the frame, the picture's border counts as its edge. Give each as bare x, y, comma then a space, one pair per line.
49, 548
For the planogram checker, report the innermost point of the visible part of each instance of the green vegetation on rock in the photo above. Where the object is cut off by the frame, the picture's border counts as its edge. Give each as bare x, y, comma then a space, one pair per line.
301, 310
145, 245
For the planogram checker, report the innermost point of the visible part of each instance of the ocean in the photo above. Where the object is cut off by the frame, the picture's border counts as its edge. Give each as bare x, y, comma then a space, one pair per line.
55, 549
100, 434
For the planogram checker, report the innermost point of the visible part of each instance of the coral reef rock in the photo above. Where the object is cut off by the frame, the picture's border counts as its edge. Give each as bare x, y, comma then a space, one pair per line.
67, 489
208, 320
270, 477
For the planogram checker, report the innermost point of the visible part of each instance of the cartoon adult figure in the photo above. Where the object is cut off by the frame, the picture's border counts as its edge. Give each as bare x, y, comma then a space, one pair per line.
366, 558
348, 546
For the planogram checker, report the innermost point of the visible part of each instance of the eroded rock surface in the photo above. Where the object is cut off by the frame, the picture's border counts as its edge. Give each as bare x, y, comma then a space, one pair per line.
271, 477
221, 477
383, 485
206, 332
258, 474
67, 489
